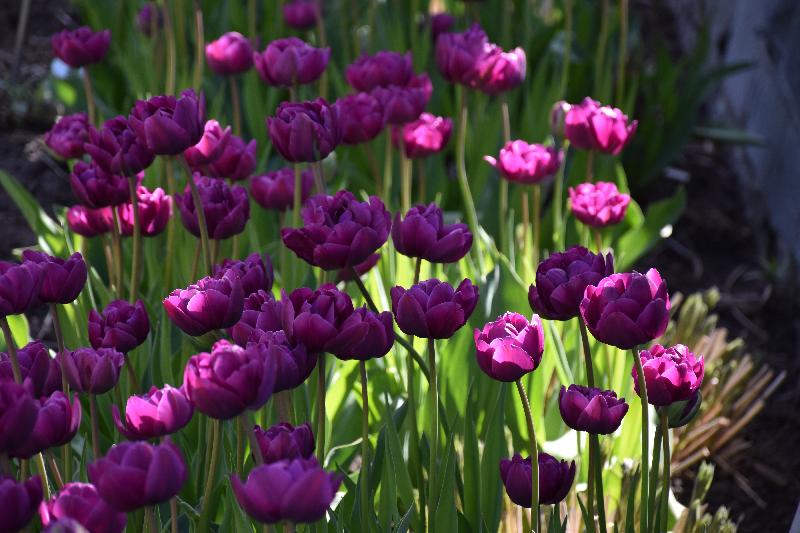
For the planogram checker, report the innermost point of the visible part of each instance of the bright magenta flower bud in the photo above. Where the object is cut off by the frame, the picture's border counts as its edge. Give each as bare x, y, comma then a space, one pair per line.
290, 62
672, 374
81, 503
525, 163
425, 136
210, 147
432, 309
158, 413
68, 135
590, 126
89, 222
206, 305
155, 209
230, 54
595, 411
500, 71
275, 190
598, 204
80, 47
509, 347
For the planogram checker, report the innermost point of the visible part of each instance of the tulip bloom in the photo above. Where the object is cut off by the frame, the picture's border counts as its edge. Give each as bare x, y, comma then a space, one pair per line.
158, 413
441, 23
210, 146
133, 475
672, 374
425, 136
293, 362
81, 503
39, 370
94, 187
380, 70
315, 318
227, 208
598, 204
285, 442
254, 271
305, 131
432, 309
89, 222
61, 279
18, 502
555, 479
590, 126
363, 335
626, 310
149, 17
155, 209
18, 412
230, 54
208, 304
117, 149
520, 162
291, 62
405, 103
562, 278
229, 380
500, 71
168, 125
458, 55
237, 161
19, 287
92, 371
338, 231
121, 326
275, 190
80, 47
298, 491
262, 313
301, 14
423, 234
67, 136
595, 411
56, 425
509, 347
361, 117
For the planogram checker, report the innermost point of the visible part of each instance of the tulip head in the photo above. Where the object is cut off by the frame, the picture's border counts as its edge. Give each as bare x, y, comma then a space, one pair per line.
509, 347
19, 287
208, 304
361, 117
255, 272
285, 442
117, 149
363, 335
590, 126
433, 309
555, 479
61, 279
316, 318
301, 14
672, 374
92, 371
56, 425
226, 207
155, 209
94, 187
291, 62
18, 413
153, 415
88, 222
520, 162
500, 71
68, 135
458, 55
425, 136
230, 54
598, 204
589, 409
305, 131
81, 502
380, 70
168, 125
122, 326
39, 370
18, 502
275, 190
423, 234
80, 47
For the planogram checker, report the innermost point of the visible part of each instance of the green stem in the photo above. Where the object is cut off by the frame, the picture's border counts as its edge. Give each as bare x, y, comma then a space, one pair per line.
90, 104
295, 220
590, 166
594, 442
205, 514
95, 430
255, 449
666, 479
534, 454
67, 449
199, 47
558, 201
623, 50
417, 269
12, 349
201, 217
39, 460
654, 476
173, 511
366, 500
526, 224
137, 239
504, 183
598, 239
537, 222
405, 181
463, 182
172, 54
386, 193
151, 519
590, 487
169, 171
237, 106
239, 466
117, 241
587, 353
321, 409
319, 176
643, 512
433, 433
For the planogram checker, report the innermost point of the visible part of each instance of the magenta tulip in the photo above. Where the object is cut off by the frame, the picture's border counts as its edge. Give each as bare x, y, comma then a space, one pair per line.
158, 413
509, 347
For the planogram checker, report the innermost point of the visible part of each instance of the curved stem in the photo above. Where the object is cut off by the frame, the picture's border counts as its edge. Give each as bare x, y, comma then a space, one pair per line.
558, 202
137, 239
587, 353
504, 183
12, 349
39, 460
598, 239
461, 168
95, 430
534, 454
643, 512
201, 216
363, 289
255, 449
433, 433
321, 409
90, 104
205, 514
366, 501
237, 106
56, 473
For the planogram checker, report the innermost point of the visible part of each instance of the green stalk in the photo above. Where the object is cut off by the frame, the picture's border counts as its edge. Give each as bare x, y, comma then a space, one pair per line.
594, 442
600, 53
117, 241
95, 430
433, 433
151, 519
90, 105
654, 476
643, 512
558, 202
39, 460
590, 166
173, 511
415, 459
405, 181
666, 479
169, 35
590, 486
537, 222
463, 182
199, 48
366, 501
295, 220
255, 449
386, 193
201, 216
587, 353
137, 239
623, 50
534, 454
321, 409
503, 207
169, 171
237, 106
12, 349
67, 450
239, 465
205, 514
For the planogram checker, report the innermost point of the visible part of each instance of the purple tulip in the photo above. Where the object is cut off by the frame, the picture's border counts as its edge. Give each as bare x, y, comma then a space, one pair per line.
19, 287
291, 62
301, 14
298, 491
626, 310
117, 149
137, 474
206, 305
65, 525
56, 425
229, 380
590, 126
558, 118
441, 23
285, 442
361, 117
402, 104
237, 161
363, 335
360, 269
294, 363
525, 163
432, 309
598, 204
672, 374
275, 190
230, 54
500, 71
122, 326
459, 54
555, 479
18, 413
255, 272
509, 347
380, 70
168, 125
92, 371
315, 318
158, 413
305, 131
89, 222
94, 187
210, 147
155, 210
67, 136
423, 234
61, 279
39, 371
425, 136
149, 18
262, 313
80, 47
81, 503
338, 231
595, 411
562, 278
18, 502
227, 208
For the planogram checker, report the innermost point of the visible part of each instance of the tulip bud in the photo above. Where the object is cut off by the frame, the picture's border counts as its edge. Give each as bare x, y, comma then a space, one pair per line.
230, 54
155, 209
80, 47
380, 70
153, 415
285, 442
290, 62
117, 149
89, 222
441, 23
237, 161
361, 117
168, 125
500, 71
56, 425
301, 14
555, 479
210, 146
293, 362
305, 131
598, 204
39, 370
425, 136
316, 318
18, 502
133, 475
92, 371
94, 187
62, 279
423, 234
510, 347
18, 413
458, 55
520, 162
81, 503
402, 104
590, 126
432, 309
19, 287
261, 314
149, 18
121, 326
595, 411
558, 117
363, 335
682, 412
226, 207
67, 136
672, 375
275, 190
208, 304
255, 272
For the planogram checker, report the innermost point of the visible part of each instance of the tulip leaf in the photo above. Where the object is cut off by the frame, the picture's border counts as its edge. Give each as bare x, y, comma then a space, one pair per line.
49, 233
494, 449
20, 331
472, 475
